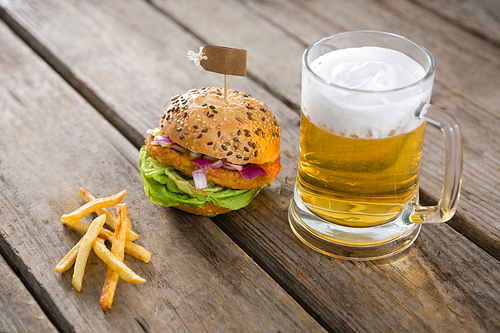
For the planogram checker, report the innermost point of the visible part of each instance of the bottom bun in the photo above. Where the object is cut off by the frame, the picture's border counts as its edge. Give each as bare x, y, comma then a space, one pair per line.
208, 209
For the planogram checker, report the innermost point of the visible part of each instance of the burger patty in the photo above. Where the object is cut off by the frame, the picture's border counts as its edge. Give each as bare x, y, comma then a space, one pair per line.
227, 178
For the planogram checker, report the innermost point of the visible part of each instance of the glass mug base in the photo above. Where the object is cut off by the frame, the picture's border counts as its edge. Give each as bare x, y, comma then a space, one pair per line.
367, 243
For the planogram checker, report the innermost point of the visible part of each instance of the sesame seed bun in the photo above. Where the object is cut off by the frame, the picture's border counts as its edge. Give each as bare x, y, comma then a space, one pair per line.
242, 131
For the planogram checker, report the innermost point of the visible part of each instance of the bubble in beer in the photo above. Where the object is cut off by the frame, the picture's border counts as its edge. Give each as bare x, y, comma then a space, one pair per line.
369, 103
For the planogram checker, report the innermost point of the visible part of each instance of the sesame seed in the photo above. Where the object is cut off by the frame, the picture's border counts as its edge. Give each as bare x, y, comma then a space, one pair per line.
211, 116
246, 149
181, 137
229, 154
205, 130
238, 118
236, 140
238, 156
179, 129
263, 118
204, 104
207, 113
199, 136
256, 153
263, 110
175, 97
185, 114
223, 147
239, 132
248, 135
246, 158
212, 107
210, 143
195, 126
218, 134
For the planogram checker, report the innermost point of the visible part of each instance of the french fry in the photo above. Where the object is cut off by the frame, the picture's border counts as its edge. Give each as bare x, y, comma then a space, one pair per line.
69, 259
119, 267
93, 206
83, 253
118, 250
111, 219
131, 248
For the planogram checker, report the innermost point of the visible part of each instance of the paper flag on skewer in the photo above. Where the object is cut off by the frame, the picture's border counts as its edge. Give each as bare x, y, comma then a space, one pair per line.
221, 59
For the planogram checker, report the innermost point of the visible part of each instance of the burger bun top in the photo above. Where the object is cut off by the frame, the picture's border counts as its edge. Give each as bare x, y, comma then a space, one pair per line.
242, 131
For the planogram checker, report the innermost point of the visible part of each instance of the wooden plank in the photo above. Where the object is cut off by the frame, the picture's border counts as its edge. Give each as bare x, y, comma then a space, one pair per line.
429, 288
20, 312
51, 143
480, 17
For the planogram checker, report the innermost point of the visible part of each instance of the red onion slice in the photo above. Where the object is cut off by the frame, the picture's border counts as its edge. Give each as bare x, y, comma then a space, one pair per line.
180, 149
217, 164
200, 179
163, 140
201, 162
250, 171
230, 166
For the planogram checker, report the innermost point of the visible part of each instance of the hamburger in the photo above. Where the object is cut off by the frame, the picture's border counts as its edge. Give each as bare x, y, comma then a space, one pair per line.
210, 156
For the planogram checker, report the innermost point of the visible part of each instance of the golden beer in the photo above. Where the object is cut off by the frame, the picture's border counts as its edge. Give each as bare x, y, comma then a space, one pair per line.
358, 182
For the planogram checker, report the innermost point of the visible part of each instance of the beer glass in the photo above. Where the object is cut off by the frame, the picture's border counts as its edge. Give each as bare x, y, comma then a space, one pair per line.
357, 190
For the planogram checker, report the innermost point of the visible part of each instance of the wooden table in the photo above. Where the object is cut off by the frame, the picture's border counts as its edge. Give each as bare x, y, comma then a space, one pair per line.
82, 81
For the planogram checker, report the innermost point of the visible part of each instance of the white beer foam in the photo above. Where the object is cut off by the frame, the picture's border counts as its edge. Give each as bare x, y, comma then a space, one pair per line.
369, 110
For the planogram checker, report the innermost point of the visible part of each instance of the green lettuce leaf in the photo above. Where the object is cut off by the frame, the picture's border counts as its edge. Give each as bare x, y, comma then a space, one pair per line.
169, 187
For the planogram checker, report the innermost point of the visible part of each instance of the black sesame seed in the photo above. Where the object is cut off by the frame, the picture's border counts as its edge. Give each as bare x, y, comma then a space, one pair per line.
207, 113
229, 154
256, 153
235, 148
223, 147
236, 140
238, 156
199, 136
185, 114
249, 107
181, 137
239, 119
246, 149
250, 143
263, 118
210, 143
239, 132
215, 111
248, 135
179, 129
205, 130
212, 107
195, 126
218, 134
203, 105
263, 110
168, 117
246, 158
211, 116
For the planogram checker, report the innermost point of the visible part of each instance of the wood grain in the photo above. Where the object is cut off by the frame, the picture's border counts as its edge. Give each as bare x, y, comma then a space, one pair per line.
479, 17
197, 279
20, 311
444, 283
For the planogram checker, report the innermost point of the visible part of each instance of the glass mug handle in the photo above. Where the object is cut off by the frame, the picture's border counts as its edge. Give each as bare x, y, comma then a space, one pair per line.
450, 193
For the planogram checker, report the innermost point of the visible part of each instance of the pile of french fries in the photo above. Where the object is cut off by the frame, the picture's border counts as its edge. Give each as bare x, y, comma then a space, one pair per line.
94, 237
